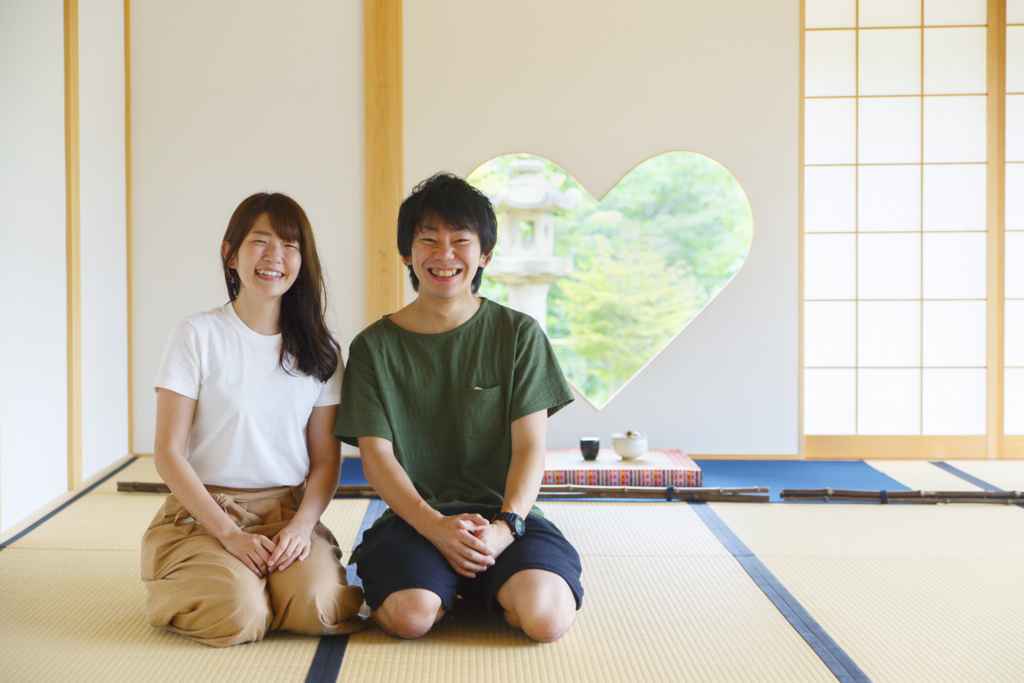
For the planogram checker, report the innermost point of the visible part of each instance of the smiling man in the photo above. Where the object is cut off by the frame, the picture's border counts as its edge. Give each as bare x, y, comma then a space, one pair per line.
448, 401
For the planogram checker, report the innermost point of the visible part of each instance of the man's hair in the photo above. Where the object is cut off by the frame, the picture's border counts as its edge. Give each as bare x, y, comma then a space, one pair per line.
448, 199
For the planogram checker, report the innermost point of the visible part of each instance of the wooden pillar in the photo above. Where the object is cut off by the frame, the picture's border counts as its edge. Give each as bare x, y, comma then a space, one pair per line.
995, 217
383, 46
74, 256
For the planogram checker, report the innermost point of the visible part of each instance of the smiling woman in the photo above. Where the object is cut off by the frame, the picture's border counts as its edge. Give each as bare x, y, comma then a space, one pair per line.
633, 267
246, 399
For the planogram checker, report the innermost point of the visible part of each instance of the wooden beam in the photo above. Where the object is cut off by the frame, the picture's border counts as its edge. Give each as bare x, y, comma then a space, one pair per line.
74, 252
384, 190
995, 224
911, 447
128, 217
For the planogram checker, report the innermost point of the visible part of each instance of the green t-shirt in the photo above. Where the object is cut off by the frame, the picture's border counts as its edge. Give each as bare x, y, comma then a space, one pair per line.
447, 401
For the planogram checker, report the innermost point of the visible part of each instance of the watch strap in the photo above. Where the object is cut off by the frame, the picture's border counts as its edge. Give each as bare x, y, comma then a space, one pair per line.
515, 523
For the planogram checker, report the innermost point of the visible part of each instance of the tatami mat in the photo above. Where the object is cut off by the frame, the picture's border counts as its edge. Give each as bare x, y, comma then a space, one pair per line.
73, 615
645, 529
912, 593
73, 605
683, 609
921, 475
90, 523
141, 469
1005, 474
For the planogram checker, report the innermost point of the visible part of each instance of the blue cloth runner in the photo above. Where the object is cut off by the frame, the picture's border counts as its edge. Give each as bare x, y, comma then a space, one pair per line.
797, 474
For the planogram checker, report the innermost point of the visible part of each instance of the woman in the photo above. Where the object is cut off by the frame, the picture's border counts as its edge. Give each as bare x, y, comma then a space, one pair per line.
246, 405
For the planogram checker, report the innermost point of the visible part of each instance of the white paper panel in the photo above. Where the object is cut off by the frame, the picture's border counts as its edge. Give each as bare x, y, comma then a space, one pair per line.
830, 130
1015, 11
890, 130
954, 129
1013, 401
33, 303
888, 401
830, 13
1013, 325
954, 12
954, 197
830, 199
1015, 127
1014, 267
954, 61
1015, 59
1015, 196
954, 402
830, 63
830, 334
830, 401
890, 62
954, 334
954, 265
889, 266
889, 334
889, 198
829, 267
890, 12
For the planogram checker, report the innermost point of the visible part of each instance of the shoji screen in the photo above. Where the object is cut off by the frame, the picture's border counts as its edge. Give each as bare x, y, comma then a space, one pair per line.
1014, 254
894, 217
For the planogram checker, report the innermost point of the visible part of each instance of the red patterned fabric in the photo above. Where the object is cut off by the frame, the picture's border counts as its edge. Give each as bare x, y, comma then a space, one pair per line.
655, 468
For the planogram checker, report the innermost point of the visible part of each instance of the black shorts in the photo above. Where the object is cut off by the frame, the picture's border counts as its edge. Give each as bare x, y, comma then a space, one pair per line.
393, 556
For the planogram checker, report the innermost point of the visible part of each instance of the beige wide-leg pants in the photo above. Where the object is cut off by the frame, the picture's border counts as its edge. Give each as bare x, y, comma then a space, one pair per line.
200, 590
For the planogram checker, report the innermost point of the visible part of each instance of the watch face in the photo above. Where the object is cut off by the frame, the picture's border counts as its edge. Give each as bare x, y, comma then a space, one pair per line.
520, 526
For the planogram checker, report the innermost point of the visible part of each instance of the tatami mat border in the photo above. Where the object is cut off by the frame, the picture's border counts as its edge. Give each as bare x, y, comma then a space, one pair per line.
965, 476
71, 500
834, 657
331, 651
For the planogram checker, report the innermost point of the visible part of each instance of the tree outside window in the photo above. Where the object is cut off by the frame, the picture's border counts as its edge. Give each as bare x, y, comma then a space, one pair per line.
647, 258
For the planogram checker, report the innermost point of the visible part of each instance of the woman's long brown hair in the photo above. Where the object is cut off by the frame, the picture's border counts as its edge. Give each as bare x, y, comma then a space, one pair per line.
306, 343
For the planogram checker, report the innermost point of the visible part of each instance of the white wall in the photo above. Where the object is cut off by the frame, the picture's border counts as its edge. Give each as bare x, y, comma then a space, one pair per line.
33, 297
598, 88
231, 98
103, 235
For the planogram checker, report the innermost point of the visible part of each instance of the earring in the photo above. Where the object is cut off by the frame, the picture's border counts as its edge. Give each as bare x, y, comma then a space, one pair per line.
298, 285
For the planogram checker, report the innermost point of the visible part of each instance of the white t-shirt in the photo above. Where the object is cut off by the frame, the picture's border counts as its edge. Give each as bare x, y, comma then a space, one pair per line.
249, 429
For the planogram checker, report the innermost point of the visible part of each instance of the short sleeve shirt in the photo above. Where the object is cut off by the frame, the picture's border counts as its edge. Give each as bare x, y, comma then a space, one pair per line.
249, 428
447, 401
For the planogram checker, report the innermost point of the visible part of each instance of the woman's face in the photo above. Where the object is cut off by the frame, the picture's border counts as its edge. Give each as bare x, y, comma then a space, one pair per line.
267, 265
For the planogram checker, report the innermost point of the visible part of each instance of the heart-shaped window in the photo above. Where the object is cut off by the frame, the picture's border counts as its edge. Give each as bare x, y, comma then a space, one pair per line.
614, 279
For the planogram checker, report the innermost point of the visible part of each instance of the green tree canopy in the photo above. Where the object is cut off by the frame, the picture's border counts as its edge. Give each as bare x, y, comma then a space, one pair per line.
648, 257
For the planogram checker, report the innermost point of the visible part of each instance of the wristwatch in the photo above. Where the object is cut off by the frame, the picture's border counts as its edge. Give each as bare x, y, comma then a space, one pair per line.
514, 521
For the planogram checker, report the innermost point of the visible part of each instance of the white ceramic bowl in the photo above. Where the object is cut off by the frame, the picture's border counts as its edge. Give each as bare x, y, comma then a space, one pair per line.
629, 447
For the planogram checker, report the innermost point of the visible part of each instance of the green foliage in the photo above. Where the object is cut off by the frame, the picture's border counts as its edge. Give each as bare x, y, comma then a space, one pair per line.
647, 258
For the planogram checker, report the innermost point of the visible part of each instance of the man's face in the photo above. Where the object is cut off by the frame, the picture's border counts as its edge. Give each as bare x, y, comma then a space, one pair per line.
445, 259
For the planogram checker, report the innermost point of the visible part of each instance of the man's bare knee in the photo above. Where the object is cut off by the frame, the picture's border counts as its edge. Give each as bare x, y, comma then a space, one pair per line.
548, 626
409, 613
538, 602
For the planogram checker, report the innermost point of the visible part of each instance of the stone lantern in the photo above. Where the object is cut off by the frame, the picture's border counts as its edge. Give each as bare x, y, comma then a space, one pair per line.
527, 264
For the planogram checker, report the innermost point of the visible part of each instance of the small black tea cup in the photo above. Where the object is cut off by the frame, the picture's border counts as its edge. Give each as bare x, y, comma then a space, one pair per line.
589, 446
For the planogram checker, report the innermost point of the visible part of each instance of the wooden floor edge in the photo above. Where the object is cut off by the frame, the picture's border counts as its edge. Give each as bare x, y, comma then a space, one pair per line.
61, 499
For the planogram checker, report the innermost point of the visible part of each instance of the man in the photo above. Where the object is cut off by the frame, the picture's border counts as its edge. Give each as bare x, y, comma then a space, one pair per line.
448, 401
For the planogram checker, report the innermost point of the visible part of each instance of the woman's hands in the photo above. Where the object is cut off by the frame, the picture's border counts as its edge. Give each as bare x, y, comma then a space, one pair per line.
263, 555
456, 537
254, 550
291, 543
